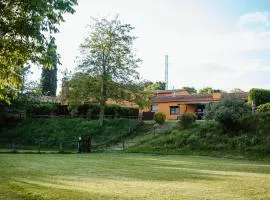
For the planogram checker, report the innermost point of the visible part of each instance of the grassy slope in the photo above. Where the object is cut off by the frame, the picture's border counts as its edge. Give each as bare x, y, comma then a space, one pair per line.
51, 131
130, 176
203, 138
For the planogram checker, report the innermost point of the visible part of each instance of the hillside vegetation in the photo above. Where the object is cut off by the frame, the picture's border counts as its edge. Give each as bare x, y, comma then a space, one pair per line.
205, 138
50, 132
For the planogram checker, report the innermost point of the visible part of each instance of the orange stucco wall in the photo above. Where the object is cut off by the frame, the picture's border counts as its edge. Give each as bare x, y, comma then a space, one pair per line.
165, 108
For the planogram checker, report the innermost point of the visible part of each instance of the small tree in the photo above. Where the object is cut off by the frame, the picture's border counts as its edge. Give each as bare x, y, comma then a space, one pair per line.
227, 112
108, 58
159, 118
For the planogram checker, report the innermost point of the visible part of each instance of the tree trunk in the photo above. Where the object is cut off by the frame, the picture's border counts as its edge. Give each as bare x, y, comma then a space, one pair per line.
102, 103
101, 114
103, 93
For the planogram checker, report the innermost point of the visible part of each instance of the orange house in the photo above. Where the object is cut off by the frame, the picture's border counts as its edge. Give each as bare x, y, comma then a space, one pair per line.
176, 102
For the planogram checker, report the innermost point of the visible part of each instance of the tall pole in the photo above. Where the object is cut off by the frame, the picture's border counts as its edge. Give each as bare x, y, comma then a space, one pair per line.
166, 71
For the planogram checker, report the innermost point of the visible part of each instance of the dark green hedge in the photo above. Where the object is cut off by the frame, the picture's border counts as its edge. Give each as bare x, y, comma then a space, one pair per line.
259, 96
113, 111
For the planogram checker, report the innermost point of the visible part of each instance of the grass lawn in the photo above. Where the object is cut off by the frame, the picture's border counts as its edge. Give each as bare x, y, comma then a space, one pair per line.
130, 176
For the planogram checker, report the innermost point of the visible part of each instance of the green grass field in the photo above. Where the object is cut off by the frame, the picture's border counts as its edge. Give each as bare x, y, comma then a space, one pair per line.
130, 176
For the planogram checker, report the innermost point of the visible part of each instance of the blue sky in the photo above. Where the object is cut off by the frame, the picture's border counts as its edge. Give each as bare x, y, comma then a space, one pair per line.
224, 44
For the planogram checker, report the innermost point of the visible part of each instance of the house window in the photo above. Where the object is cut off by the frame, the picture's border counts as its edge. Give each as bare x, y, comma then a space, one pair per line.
174, 110
154, 108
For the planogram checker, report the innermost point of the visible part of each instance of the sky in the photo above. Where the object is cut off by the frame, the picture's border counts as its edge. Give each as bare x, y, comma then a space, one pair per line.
223, 44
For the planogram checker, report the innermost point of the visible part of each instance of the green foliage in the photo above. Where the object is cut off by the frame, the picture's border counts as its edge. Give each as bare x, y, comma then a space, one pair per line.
208, 138
27, 28
227, 112
91, 111
42, 108
159, 85
206, 90
264, 123
259, 96
187, 119
108, 59
249, 123
54, 130
159, 117
49, 76
263, 108
190, 90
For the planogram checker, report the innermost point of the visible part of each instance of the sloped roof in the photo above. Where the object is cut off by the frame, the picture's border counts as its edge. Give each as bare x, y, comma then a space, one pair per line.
193, 97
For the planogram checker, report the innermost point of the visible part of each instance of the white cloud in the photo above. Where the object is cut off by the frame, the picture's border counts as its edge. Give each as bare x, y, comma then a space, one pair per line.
254, 18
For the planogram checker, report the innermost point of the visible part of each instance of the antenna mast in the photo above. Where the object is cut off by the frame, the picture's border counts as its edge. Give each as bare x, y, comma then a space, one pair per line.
166, 72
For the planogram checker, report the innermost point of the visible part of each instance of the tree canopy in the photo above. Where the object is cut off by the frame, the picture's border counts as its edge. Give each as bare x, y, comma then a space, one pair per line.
26, 30
190, 90
159, 85
206, 90
108, 65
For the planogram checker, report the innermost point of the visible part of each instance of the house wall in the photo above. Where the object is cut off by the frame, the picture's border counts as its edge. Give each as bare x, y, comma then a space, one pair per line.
165, 108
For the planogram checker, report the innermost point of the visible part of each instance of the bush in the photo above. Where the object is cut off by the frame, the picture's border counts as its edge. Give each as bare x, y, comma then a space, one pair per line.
249, 123
91, 111
264, 123
43, 108
159, 117
209, 128
259, 96
187, 119
263, 108
227, 112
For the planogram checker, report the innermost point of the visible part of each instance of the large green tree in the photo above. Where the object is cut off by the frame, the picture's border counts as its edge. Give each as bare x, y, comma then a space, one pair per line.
49, 75
26, 30
108, 58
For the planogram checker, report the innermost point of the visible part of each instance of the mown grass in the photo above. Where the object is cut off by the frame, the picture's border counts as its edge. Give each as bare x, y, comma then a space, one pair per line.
131, 176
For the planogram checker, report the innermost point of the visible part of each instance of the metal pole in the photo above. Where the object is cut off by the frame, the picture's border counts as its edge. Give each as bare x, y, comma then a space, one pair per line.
253, 107
166, 71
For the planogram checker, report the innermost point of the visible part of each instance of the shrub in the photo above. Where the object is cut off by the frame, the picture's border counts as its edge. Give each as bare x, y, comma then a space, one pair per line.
209, 128
249, 123
43, 108
187, 119
264, 122
227, 112
259, 96
263, 108
159, 117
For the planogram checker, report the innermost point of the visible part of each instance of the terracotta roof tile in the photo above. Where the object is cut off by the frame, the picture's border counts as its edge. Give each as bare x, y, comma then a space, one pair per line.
193, 97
